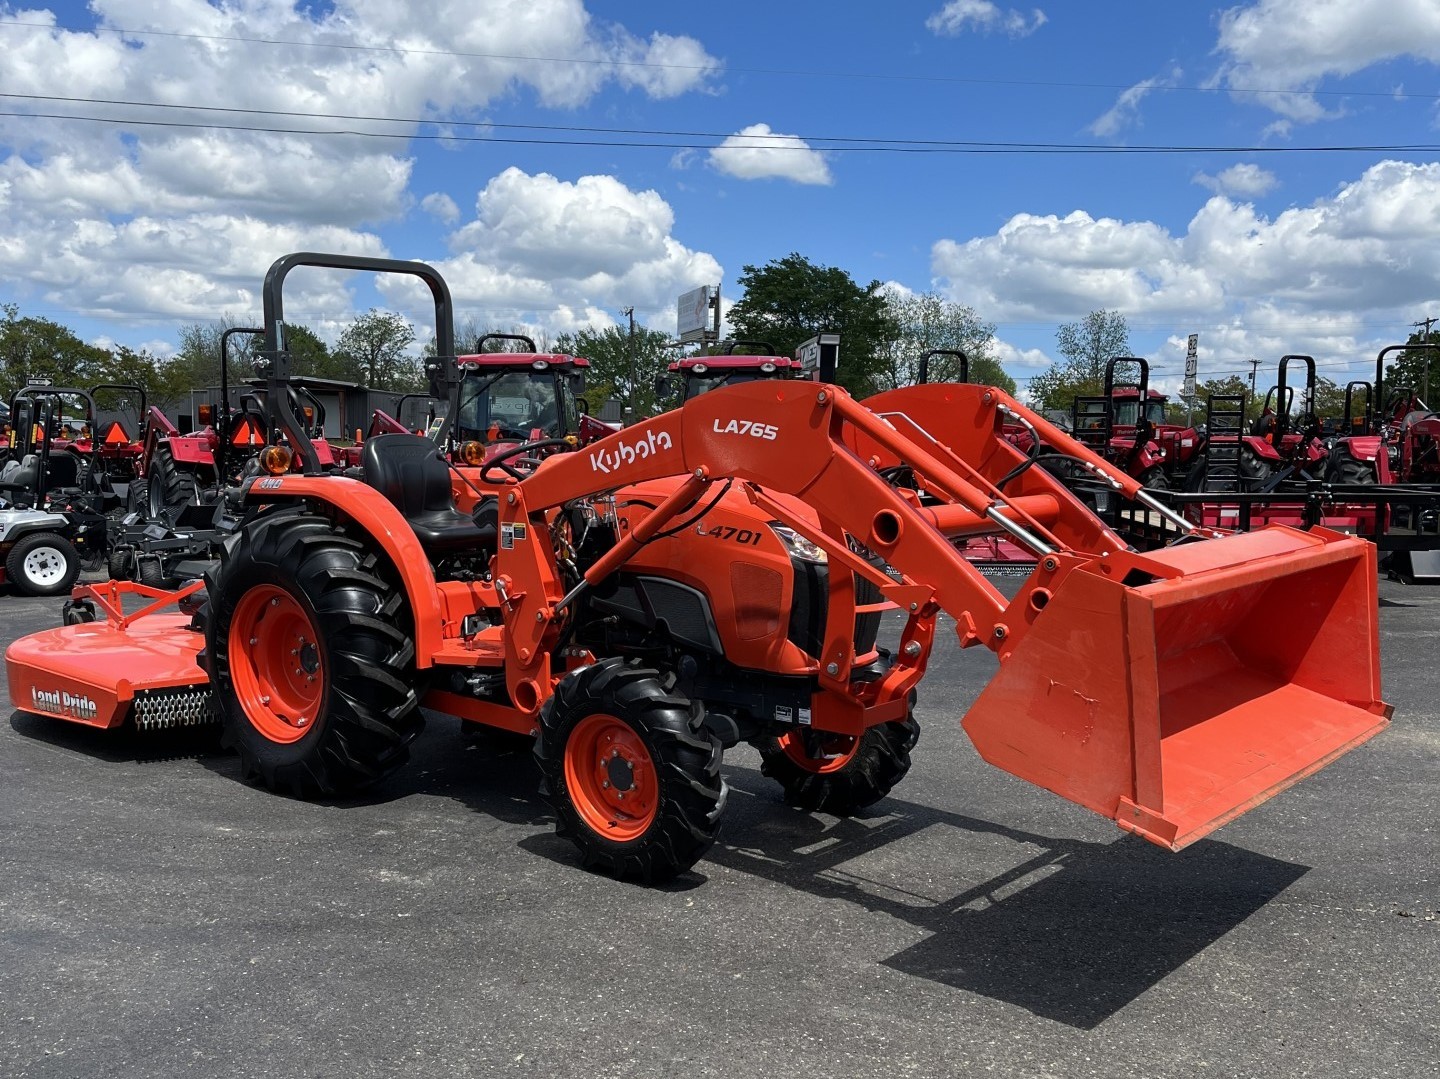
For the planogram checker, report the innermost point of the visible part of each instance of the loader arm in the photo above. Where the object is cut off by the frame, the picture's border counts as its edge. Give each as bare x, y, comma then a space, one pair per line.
1146, 687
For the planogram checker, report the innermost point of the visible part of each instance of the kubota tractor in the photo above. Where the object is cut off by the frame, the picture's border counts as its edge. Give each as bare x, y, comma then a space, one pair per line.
643, 603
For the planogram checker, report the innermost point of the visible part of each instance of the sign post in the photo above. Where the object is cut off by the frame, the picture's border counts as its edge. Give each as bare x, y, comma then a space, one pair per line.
1191, 362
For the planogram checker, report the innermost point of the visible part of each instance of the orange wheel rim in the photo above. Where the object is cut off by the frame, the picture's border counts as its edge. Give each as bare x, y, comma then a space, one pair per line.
820, 752
275, 664
611, 778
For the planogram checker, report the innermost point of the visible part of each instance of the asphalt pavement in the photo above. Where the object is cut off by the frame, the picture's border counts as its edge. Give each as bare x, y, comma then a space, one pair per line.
160, 918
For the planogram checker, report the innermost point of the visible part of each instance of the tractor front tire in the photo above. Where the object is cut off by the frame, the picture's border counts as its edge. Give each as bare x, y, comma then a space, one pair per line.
632, 772
1155, 479
312, 657
42, 564
838, 774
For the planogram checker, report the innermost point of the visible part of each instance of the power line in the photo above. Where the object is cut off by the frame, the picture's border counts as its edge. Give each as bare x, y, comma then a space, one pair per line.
857, 145
650, 64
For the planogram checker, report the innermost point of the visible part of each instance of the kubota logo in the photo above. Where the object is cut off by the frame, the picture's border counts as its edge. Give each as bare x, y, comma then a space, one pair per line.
607, 460
767, 431
59, 702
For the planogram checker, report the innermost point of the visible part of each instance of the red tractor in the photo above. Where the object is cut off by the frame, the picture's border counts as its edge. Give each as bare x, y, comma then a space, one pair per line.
701, 374
1282, 445
1396, 439
1113, 425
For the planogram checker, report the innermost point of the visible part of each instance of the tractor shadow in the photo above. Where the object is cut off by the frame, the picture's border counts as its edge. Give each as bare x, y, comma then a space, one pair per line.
124, 745
1071, 931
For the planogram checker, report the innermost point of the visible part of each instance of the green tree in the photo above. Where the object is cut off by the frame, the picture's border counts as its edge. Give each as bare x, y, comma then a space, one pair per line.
621, 367
789, 300
1087, 346
376, 347
926, 321
1417, 370
40, 348
1231, 384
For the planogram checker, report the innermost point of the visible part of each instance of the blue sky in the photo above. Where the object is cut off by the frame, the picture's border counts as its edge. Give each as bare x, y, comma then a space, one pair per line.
126, 230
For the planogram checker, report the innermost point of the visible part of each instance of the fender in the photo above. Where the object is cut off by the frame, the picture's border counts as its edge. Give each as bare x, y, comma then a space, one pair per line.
370, 509
1261, 448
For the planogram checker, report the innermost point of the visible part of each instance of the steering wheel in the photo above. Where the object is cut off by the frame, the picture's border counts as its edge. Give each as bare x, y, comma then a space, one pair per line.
519, 452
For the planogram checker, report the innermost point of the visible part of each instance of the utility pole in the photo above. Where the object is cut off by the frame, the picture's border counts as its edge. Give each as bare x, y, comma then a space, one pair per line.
629, 313
1425, 378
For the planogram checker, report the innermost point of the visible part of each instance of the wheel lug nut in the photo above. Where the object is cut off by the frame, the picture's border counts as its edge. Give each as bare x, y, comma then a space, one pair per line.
605, 783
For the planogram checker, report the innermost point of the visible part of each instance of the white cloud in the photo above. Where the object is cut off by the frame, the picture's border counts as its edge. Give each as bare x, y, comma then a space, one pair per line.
1013, 356
1307, 280
563, 255
78, 198
441, 206
1245, 180
1126, 110
1297, 43
757, 153
957, 16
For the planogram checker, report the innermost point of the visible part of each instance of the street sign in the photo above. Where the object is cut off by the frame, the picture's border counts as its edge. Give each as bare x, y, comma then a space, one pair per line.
38, 380
1191, 362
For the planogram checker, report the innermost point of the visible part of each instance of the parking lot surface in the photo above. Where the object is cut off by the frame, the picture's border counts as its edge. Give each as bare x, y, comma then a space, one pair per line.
160, 918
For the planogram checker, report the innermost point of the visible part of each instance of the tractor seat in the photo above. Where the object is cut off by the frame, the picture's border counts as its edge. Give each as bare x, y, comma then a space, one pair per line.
409, 471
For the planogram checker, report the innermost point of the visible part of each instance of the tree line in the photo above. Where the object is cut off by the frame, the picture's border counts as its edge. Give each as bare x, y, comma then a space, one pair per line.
884, 331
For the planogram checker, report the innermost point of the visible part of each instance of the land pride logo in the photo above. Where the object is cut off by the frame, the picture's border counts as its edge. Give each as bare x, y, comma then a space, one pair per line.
59, 702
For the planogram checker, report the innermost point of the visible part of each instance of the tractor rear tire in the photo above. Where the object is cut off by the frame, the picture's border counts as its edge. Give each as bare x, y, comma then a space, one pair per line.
1348, 470
170, 488
42, 564
614, 729
837, 774
1255, 471
312, 657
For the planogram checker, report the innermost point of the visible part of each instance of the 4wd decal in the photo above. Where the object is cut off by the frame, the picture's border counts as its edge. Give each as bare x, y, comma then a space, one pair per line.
606, 461
753, 428
59, 702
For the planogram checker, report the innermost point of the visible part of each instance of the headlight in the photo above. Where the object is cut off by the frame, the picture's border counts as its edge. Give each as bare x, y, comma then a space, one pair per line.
800, 547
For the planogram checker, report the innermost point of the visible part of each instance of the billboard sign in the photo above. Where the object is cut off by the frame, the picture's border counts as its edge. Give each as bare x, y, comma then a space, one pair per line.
692, 314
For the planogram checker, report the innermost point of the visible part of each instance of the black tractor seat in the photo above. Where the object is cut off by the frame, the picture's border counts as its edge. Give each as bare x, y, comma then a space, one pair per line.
409, 471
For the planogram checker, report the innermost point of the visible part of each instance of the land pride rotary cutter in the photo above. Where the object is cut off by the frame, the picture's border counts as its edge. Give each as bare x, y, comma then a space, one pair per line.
688, 583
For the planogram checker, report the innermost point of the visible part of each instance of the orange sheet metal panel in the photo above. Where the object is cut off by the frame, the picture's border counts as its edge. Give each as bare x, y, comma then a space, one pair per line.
90, 673
1175, 705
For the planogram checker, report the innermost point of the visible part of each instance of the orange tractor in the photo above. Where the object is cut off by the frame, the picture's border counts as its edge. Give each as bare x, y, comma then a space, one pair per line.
643, 603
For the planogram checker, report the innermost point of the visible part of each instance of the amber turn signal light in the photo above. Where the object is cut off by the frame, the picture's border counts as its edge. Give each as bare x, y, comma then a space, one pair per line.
275, 460
472, 453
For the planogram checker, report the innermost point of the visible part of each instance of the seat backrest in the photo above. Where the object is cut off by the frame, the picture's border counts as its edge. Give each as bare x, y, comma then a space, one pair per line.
409, 471
63, 470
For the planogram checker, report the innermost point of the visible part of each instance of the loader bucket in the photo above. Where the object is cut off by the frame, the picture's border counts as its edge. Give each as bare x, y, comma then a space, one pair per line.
1177, 703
